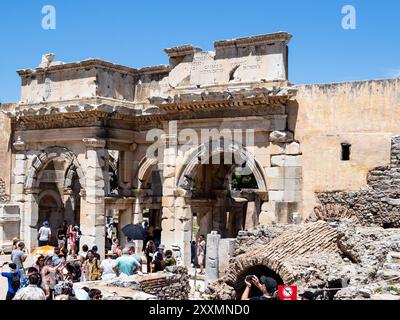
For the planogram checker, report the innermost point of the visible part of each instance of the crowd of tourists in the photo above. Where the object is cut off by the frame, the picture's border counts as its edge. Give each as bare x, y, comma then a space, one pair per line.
52, 276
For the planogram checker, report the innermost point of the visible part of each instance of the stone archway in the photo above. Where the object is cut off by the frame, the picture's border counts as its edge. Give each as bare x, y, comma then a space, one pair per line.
280, 253
40, 161
40, 191
230, 210
204, 152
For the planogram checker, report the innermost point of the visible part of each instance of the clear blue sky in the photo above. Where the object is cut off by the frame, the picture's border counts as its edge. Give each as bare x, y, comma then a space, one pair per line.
134, 33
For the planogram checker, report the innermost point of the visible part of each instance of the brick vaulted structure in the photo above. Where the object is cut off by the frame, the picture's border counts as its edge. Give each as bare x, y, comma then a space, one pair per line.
76, 145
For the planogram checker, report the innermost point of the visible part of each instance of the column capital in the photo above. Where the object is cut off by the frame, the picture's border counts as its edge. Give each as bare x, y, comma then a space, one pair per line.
94, 143
19, 145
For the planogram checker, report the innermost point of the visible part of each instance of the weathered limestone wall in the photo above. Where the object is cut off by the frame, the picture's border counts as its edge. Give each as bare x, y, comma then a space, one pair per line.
363, 114
5, 151
377, 205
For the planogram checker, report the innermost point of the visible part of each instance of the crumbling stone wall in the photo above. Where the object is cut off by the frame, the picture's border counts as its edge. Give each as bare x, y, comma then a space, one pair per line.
247, 240
377, 205
171, 284
335, 260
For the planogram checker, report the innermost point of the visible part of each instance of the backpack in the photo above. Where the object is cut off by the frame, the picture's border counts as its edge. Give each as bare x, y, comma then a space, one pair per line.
15, 281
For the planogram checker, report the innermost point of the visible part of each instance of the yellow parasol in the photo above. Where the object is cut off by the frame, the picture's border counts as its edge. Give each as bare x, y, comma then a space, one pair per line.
45, 250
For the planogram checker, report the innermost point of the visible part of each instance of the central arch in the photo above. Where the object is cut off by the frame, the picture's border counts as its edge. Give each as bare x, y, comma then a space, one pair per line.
206, 151
207, 185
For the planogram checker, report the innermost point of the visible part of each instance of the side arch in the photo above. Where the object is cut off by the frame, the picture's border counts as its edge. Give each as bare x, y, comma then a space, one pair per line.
39, 162
146, 166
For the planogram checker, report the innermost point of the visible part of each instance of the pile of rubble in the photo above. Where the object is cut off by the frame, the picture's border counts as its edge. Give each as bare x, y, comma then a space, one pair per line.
334, 259
171, 284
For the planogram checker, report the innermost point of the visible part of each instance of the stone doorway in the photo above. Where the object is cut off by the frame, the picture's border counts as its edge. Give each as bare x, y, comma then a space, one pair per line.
51, 209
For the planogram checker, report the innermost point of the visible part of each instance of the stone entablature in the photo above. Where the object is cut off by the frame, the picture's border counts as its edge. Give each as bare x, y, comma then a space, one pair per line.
238, 62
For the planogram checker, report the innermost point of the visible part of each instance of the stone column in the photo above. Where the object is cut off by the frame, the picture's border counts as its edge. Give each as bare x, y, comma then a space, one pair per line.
125, 217
92, 202
183, 225
212, 255
137, 206
18, 181
30, 219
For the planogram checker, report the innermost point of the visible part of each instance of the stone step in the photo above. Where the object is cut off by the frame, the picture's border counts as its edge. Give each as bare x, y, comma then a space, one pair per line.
385, 296
391, 266
393, 255
388, 274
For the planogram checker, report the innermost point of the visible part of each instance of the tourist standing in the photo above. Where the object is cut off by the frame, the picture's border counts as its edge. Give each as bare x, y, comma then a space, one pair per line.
44, 234
92, 267
18, 257
32, 291
159, 262
13, 278
39, 263
149, 252
49, 277
201, 251
72, 237
126, 264
116, 248
161, 250
61, 237
129, 243
193, 254
133, 253
169, 259
106, 266
96, 254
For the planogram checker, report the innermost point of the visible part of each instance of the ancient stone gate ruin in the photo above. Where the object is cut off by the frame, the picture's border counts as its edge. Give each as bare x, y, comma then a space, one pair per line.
76, 146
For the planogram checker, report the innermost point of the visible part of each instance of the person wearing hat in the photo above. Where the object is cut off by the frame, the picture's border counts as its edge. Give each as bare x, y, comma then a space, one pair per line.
44, 234
267, 286
13, 278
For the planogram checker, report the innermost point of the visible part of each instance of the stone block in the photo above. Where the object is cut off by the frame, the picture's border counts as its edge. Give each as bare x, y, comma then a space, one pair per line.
168, 172
281, 136
277, 148
292, 148
225, 252
267, 217
268, 206
168, 224
169, 182
293, 173
275, 172
275, 195
278, 161
275, 184
292, 184
293, 161
168, 201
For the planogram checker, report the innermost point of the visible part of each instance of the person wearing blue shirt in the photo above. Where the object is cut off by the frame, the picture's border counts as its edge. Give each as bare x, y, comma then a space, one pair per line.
13, 278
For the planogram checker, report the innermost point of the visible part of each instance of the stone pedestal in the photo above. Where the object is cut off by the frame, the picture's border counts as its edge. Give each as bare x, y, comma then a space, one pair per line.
212, 257
225, 252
